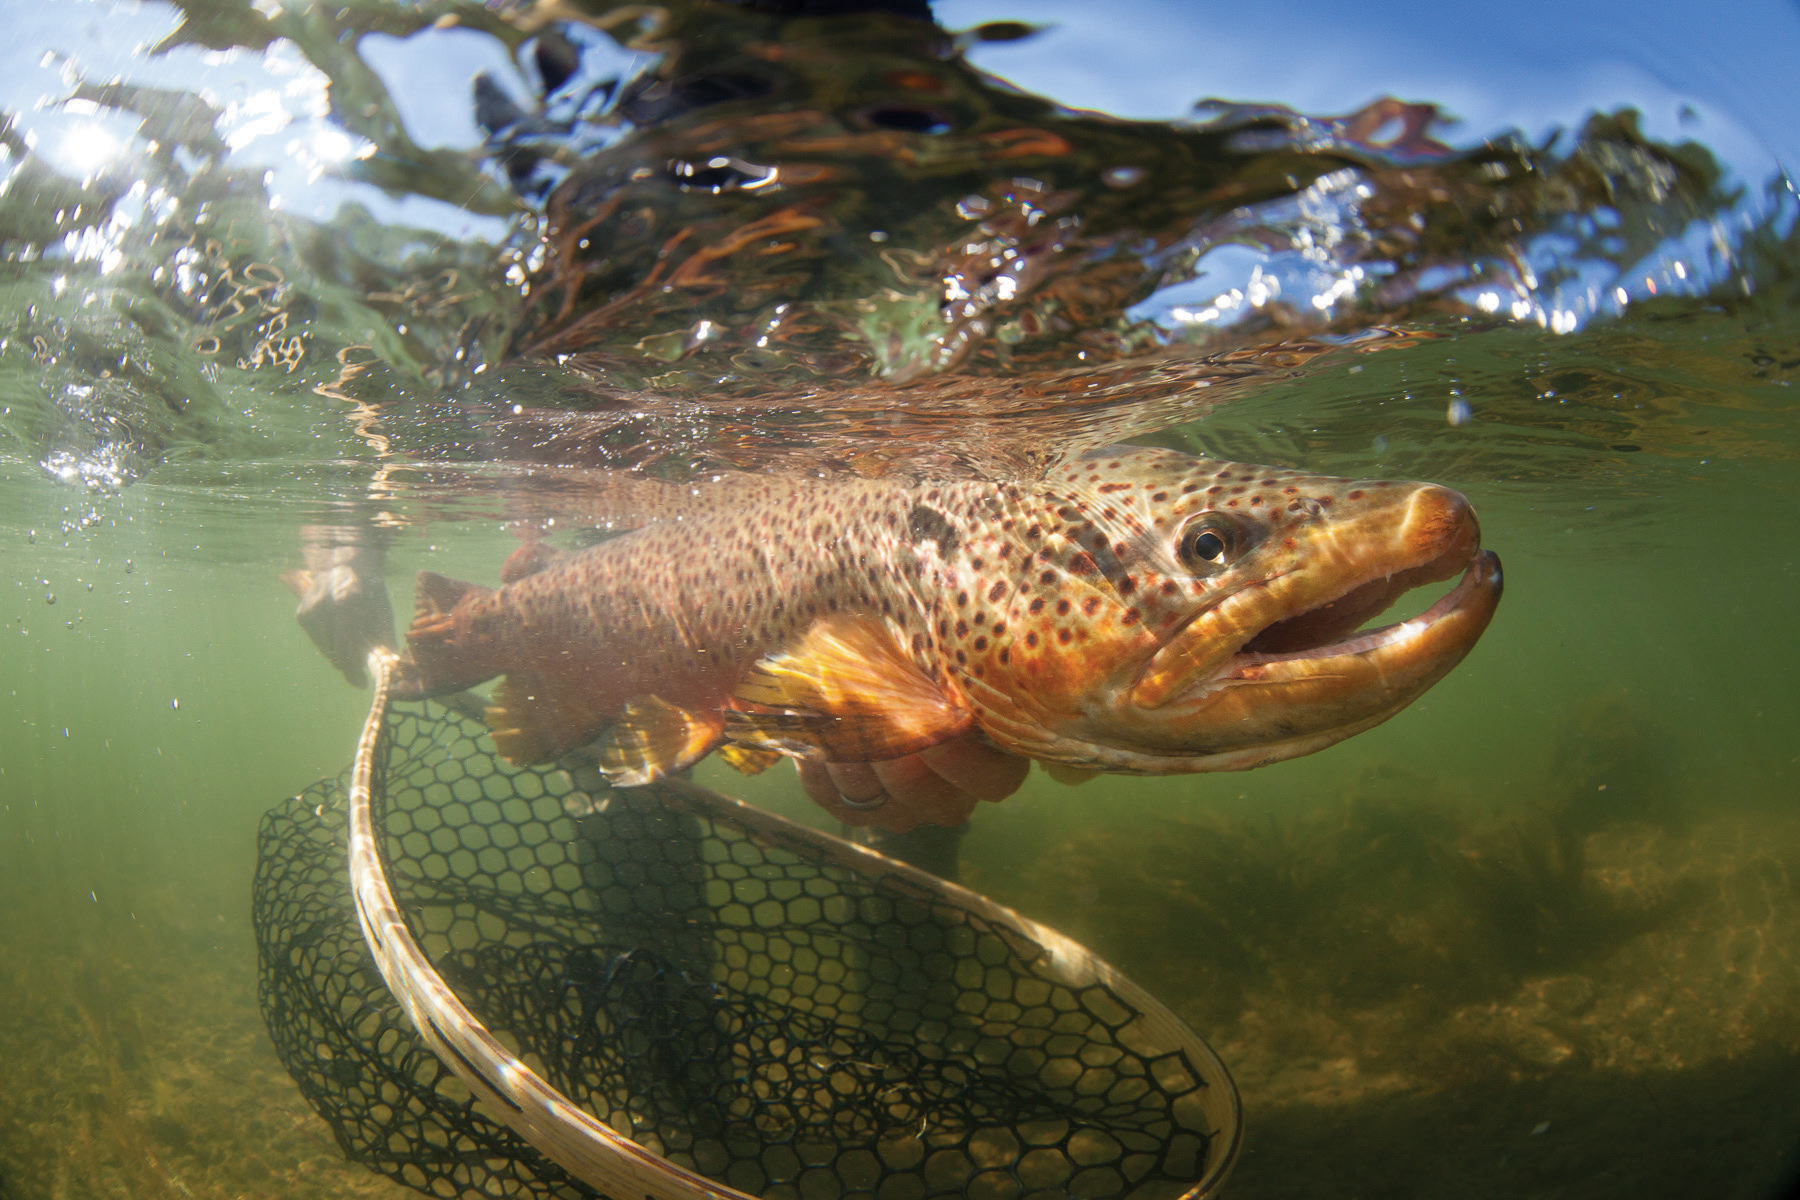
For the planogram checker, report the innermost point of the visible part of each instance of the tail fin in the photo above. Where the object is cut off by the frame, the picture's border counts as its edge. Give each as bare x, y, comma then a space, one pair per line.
439, 657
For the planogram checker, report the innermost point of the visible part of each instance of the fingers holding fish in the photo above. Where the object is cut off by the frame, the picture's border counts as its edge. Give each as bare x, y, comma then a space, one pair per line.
977, 768
858, 784
918, 795
898, 795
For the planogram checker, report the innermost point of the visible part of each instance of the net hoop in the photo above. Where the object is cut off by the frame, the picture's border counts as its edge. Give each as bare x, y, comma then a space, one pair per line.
589, 1149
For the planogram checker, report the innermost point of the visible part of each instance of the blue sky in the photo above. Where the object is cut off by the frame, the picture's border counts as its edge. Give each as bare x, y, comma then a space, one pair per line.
1531, 64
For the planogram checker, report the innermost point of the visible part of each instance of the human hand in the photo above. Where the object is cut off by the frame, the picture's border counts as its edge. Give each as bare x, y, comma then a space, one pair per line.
344, 606
937, 786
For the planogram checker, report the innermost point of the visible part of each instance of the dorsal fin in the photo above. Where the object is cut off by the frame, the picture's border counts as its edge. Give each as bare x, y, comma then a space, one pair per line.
849, 689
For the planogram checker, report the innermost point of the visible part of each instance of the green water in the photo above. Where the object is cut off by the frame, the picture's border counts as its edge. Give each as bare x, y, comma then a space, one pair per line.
1558, 891
1537, 936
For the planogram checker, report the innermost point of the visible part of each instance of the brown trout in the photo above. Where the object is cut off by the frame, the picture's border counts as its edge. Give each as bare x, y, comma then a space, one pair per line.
1140, 611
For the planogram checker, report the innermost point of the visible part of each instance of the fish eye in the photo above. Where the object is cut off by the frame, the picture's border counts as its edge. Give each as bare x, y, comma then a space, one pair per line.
1208, 542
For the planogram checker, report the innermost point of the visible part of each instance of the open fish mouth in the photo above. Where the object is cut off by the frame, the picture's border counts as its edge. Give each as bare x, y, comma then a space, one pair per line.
1319, 632
1336, 626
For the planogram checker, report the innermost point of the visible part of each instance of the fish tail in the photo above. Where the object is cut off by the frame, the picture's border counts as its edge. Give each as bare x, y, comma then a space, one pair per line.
440, 656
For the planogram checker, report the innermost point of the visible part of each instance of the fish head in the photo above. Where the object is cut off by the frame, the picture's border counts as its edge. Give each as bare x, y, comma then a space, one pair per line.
1174, 614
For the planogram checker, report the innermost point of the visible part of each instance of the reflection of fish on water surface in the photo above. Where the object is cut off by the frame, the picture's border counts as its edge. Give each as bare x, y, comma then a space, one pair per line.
1140, 611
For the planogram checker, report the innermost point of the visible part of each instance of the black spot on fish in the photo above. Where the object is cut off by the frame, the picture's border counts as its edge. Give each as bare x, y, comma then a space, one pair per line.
927, 524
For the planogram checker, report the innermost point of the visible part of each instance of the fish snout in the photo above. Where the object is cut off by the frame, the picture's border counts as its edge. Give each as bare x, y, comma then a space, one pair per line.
1440, 527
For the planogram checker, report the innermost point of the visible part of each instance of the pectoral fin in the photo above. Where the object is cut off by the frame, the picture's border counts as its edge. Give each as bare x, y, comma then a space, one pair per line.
847, 688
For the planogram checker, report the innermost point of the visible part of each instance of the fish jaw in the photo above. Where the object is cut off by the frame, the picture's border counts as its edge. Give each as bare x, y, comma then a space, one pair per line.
1262, 708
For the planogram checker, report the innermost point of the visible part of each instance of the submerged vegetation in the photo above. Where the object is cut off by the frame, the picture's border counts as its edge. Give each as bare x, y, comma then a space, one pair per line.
1408, 946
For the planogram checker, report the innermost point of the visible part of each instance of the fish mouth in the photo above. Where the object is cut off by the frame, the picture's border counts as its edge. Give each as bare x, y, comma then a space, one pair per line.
1335, 626
1316, 634
1289, 655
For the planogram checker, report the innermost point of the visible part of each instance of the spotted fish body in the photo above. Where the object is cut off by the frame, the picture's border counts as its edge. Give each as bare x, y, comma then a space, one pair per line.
1140, 611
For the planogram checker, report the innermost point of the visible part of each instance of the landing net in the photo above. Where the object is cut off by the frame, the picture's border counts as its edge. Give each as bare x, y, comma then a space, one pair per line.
529, 984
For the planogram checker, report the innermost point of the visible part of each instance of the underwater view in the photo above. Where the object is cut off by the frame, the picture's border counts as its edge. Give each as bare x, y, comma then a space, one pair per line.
841, 406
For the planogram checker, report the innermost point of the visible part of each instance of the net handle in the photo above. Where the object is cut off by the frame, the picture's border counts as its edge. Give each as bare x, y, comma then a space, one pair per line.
593, 1151
562, 1131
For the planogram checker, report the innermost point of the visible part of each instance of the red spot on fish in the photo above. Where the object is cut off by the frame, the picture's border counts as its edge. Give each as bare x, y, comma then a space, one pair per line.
1064, 636
1062, 608
995, 592
1129, 617
1356, 495
1091, 605
1083, 564
1037, 605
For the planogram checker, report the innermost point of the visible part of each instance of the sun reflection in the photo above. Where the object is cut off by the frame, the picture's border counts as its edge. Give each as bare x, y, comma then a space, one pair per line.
88, 146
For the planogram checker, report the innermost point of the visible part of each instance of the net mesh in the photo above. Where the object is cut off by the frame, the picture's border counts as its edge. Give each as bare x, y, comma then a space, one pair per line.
757, 1011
